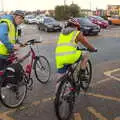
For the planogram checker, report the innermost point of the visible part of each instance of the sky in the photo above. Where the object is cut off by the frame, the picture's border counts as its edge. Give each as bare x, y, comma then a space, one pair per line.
8, 5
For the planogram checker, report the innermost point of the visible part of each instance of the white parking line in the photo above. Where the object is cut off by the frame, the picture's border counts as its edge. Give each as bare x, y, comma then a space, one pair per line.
96, 114
100, 81
77, 116
108, 73
117, 118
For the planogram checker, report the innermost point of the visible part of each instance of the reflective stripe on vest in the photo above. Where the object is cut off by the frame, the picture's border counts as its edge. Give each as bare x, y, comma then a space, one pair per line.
3, 49
65, 53
12, 35
68, 44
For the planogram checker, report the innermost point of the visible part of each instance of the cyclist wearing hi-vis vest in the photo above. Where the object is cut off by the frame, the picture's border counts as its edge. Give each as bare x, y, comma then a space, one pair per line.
9, 35
66, 50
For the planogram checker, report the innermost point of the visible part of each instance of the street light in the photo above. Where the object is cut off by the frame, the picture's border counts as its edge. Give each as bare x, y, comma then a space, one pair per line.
64, 7
2, 8
90, 4
64, 4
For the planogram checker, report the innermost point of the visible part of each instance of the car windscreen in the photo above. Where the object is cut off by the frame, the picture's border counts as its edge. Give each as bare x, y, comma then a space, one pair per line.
84, 21
99, 18
30, 17
49, 20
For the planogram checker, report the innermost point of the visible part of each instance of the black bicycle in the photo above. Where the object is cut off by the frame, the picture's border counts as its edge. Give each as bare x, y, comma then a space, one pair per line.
69, 87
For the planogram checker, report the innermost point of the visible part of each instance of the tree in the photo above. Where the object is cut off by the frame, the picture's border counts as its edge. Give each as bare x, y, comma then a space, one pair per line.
65, 12
59, 12
74, 10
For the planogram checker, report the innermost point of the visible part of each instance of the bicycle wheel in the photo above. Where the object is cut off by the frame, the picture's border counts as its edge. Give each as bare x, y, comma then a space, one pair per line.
12, 95
88, 73
42, 69
65, 98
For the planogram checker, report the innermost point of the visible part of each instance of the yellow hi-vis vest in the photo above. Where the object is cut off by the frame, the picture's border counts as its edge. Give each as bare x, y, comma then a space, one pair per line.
66, 52
12, 36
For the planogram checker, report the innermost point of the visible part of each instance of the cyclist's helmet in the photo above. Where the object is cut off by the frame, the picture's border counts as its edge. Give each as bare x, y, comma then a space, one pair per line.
74, 22
20, 13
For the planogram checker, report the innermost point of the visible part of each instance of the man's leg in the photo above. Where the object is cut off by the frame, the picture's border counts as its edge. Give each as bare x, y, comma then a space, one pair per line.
3, 63
2, 66
83, 65
60, 72
84, 60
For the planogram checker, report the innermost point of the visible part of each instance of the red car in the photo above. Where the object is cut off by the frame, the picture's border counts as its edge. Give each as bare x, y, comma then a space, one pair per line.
99, 21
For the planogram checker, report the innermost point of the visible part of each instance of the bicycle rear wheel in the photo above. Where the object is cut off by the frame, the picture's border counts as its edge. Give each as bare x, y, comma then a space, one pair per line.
42, 69
88, 72
12, 95
65, 98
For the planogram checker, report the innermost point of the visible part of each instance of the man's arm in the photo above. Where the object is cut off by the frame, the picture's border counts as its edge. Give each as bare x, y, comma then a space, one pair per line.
4, 37
82, 39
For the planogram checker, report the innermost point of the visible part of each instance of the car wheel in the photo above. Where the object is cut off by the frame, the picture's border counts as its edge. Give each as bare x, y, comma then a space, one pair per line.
39, 28
96, 33
85, 33
46, 29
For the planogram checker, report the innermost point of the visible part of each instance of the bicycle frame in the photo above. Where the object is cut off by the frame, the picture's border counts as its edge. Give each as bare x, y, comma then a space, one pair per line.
70, 72
28, 67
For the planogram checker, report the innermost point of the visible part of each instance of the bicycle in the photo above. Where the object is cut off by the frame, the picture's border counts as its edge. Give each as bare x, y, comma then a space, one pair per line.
13, 94
69, 86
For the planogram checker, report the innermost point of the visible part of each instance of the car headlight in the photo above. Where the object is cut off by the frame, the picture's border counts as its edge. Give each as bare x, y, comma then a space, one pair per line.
99, 22
50, 26
98, 27
87, 28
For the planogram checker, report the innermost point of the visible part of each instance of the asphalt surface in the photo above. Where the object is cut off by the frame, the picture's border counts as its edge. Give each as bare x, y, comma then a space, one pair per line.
101, 102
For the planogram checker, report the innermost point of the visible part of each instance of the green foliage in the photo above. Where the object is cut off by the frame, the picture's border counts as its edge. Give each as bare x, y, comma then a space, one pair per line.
74, 10
59, 12
65, 12
105, 17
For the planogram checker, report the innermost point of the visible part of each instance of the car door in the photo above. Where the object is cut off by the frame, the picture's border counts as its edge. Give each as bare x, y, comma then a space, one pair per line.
41, 23
44, 24
116, 20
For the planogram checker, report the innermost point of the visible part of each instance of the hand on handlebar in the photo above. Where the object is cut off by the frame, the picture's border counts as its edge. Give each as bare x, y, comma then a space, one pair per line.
16, 46
93, 50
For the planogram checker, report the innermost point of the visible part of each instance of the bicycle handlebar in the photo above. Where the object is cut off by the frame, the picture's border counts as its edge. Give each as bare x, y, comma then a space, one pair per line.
86, 49
30, 42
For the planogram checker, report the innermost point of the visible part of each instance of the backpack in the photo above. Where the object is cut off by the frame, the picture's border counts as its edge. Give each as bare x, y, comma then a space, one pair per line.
14, 73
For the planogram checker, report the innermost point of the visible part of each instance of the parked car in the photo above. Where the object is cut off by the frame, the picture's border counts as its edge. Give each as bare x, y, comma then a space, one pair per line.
30, 19
39, 17
99, 21
87, 27
49, 24
114, 20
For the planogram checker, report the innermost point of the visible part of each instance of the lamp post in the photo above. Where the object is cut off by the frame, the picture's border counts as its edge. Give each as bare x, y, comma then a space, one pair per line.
90, 5
2, 8
64, 7
64, 4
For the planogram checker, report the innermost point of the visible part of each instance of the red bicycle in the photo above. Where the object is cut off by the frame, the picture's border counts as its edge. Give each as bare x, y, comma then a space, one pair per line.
13, 91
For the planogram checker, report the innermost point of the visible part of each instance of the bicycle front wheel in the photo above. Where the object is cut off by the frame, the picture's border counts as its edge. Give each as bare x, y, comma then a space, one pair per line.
12, 95
42, 69
65, 98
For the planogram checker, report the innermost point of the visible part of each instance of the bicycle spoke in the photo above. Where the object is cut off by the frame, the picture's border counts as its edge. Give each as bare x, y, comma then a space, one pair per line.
13, 95
42, 69
64, 100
